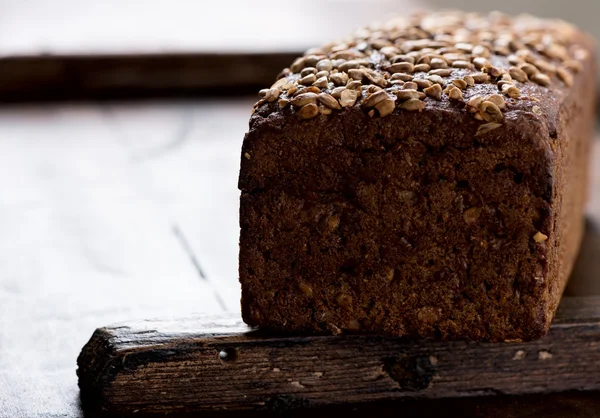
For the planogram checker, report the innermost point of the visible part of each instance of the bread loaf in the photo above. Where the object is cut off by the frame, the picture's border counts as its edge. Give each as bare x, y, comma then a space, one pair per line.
423, 177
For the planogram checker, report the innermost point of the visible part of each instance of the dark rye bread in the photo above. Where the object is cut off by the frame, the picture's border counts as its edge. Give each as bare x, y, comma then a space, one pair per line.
411, 211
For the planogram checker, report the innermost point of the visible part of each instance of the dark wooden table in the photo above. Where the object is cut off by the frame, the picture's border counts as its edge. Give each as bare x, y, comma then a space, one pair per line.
111, 212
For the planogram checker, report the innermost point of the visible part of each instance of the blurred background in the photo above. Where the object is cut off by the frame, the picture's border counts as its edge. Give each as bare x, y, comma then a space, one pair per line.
121, 123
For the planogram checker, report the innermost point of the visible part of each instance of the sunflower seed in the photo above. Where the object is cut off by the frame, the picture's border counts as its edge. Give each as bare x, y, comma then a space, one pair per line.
423, 84
407, 94
434, 91
401, 76
497, 99
354, 85
461, 84
411, 85
401, 67
303, 99
312, 89
529, 69
442, 72
518, 74
348, 98
403, 58
339, 79
385, 107
324, 65
470, 80
413, 105
539, 237
375, 98
297, 65
312, 59
389, 51
356, 74
324, 110
454, 93
511, 91
272, 94
480, 78
541, 79
376, 79
308, 111
308, 71
373, 88
308, 80
474, 103
461, 64
487, 127
422, 68
329, 101
438, 63
436, 79
565, 76
573, 65
321, 83
545, 66
490, 112
492, 71
337, 92
481, 51
480, 62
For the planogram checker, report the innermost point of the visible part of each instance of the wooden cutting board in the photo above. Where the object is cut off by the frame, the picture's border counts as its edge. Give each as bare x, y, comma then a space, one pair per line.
206, 364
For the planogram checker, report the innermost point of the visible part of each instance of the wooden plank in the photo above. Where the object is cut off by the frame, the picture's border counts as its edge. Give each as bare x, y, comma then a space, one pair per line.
134, 48
24, 78
85, 242
206, 364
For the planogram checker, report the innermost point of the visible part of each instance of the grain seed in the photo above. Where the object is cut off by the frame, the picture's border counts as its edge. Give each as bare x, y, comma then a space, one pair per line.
518, 74
385, 107
487, 127
308, 112
438, 63
308, 80
348, 98
564, 76
423, 84
413, 105
303, 99
422, 68
407, 94
541, 79
375, 98
490, 112
329, 101
454, 93
511, 91
434, 91
442, 72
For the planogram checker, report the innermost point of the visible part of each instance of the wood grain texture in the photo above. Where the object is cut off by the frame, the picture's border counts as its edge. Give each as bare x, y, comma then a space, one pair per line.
68, 49
205, 364
137, 75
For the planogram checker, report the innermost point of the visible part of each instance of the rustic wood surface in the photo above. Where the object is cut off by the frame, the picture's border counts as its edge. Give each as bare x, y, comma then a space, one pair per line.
71, 49
87, 76
210, 364
114, 212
